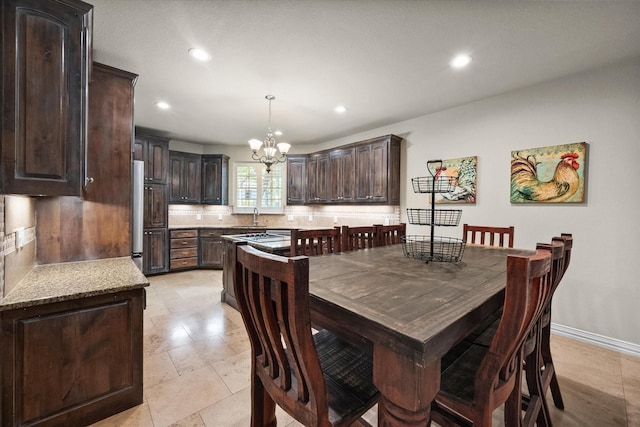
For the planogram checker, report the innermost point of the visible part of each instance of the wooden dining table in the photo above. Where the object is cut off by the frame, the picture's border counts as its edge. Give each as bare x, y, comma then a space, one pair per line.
408, 312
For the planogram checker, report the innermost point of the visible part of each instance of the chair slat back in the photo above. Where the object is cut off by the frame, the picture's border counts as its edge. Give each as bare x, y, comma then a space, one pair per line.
488, 236
273, 298
354, 238
390, 234
528, 288
315, 242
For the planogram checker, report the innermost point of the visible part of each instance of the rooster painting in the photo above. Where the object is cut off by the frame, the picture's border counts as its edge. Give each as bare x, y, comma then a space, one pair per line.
462, 176
566, 184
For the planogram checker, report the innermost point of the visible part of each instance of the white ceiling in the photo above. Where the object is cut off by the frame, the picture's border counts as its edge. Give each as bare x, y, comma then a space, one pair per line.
385, 60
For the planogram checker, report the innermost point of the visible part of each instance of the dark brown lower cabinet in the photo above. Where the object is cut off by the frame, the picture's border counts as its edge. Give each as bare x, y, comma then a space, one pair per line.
73, 362
155, 255
211, 250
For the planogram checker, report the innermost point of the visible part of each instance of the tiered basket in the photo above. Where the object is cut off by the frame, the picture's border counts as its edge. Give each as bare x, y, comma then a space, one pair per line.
432, 248
437, 217
441, 249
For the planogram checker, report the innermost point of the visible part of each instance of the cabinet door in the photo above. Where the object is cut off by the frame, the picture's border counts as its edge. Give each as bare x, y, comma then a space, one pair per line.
184, 178
46, 49
215, 179
379, 171
191, 180
296, 179
318, 178
211, 252
342, 175
363, 173
155, 205
157, 161
155, 255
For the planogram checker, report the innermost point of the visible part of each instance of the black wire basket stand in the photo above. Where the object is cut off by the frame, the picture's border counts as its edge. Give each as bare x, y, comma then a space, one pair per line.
433, 248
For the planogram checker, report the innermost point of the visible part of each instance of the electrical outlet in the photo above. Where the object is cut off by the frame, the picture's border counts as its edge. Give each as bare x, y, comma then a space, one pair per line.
219, 217
335, 219
386, 221
289, 217
310, 217
198, 217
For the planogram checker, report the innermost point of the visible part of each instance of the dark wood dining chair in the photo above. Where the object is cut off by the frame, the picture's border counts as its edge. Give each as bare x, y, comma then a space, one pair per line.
316, 242
549, 377
477, 379
390, 234
534, 403
489, 236
354, 238
319, 379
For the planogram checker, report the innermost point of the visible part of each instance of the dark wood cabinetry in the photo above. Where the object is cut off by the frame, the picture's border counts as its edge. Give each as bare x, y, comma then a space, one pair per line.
318, 178
73, 362
342, 167
366, 172
154, 152
215, 179
296, 180
155, 205
154, 256
183, 249
46, 58
184, 177
211, 251
73, 229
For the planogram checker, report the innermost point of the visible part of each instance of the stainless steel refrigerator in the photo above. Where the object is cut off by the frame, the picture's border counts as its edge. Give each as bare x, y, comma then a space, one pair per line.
138, 212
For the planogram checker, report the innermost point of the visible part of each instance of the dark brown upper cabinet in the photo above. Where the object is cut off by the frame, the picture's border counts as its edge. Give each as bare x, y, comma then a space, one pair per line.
215, 179
184, 177
318, 178
342, 166
365, 172
46, 58
296, 180
154, 151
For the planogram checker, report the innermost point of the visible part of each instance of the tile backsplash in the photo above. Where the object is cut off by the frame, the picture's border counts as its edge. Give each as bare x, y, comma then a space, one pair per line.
293, 216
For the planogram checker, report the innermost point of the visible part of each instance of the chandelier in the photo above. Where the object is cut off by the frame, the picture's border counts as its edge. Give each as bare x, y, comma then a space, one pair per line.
269, 152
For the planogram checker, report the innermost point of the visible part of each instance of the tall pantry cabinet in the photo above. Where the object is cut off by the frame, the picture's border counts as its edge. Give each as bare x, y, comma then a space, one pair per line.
154, 152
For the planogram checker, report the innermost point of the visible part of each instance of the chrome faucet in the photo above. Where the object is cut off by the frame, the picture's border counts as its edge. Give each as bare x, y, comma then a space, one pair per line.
255, 217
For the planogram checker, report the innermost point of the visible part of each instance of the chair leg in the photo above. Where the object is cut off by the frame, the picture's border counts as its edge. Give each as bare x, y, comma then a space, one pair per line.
537, 410
513, 404
545, 351
263, 408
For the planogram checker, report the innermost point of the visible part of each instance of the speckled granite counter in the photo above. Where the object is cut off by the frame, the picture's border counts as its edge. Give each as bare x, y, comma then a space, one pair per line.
72, 280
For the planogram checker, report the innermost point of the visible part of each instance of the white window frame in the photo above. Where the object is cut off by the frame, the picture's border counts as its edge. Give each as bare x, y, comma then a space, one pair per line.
261, 172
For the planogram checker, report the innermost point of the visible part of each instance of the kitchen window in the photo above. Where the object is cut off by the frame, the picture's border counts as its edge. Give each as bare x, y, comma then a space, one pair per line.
255, 188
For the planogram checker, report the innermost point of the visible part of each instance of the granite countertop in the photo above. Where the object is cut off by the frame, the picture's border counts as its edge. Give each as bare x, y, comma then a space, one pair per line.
72, 280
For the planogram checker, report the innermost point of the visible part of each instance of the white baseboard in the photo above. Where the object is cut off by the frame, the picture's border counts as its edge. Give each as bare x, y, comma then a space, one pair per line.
595, 339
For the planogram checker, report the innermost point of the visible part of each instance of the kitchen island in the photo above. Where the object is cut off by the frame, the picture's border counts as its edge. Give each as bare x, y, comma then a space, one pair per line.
72, 343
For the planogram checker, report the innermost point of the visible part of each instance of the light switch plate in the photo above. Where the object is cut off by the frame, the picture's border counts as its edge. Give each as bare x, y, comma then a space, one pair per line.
198, 217
21, 236
289, 217
310, 217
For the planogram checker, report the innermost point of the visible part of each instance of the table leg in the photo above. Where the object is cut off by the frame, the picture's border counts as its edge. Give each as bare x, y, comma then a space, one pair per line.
407, 387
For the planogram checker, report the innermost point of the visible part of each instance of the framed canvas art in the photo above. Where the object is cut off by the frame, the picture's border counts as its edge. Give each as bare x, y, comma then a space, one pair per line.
554, 174
462, 173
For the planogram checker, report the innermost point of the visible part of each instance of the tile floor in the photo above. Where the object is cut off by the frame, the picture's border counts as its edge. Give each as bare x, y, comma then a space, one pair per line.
197, 359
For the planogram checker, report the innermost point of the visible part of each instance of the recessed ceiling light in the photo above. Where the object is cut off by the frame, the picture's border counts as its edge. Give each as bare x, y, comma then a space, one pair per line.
162, 105
460, 61
340, 109
199, 54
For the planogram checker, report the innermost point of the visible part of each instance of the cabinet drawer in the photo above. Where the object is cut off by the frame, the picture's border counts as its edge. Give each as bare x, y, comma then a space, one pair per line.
184, 243
184, 263
211, 233
181, 234
184, 253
